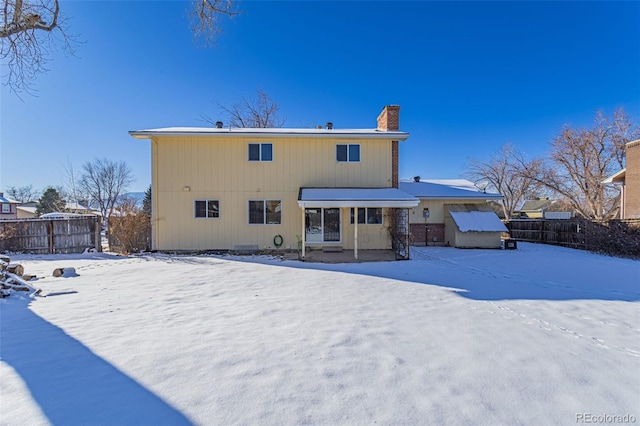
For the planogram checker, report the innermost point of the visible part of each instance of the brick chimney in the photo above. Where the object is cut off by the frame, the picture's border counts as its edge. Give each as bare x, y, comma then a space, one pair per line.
389, 119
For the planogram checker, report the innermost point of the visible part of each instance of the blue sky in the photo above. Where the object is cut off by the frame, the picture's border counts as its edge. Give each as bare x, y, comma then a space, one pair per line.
469, 77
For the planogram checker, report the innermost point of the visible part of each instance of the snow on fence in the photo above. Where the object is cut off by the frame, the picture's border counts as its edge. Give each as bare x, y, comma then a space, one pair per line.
50, 236
614, 237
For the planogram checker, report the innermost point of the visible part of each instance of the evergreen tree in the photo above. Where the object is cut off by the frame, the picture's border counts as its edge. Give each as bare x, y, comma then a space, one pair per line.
146, 202
50, 201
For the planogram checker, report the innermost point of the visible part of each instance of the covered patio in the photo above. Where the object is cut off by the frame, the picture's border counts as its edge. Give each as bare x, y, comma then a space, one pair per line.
322, 223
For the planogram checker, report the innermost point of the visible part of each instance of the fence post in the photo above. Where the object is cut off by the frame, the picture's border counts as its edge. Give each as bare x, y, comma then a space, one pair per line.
50, 236
98, 235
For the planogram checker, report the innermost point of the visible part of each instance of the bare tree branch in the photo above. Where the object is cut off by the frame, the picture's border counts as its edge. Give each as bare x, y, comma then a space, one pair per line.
206, 16
23, 194
581, 159
29, 30
104, 181
503, 172
261, 112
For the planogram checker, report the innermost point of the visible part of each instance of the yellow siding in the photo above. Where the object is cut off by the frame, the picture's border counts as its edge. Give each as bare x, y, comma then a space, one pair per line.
218, 168
436, 210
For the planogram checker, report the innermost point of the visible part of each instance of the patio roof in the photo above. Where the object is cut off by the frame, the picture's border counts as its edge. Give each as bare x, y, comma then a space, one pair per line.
355, 197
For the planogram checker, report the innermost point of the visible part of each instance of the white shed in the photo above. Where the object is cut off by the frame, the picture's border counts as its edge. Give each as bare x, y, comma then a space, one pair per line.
472, 226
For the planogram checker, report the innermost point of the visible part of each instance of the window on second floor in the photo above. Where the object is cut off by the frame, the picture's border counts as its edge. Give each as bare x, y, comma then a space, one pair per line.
349, 153
260, 152
6, 208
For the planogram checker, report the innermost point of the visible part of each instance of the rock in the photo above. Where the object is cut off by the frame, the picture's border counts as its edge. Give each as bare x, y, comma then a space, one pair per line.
64, 272
16, 268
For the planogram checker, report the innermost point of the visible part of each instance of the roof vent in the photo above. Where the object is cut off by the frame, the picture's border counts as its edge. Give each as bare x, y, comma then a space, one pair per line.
219, 124
416, 178
329, 125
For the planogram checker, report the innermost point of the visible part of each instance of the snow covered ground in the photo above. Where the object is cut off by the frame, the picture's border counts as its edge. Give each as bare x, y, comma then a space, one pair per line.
538, 335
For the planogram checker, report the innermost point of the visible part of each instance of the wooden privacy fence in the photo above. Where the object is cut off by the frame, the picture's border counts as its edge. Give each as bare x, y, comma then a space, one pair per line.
570, 233
614, 237
50, 236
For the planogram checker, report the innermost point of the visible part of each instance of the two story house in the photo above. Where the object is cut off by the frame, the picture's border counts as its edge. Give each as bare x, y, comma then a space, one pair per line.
263, 188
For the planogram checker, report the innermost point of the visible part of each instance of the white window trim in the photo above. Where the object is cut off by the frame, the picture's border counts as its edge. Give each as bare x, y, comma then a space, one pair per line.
260, 160
348, 159
264, 212
315, 243
6, 208
206, 208
365, 216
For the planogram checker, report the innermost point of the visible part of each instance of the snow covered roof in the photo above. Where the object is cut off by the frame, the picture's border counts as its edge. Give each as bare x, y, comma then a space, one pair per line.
616, 177
271, 132
535, 205
446, 189
477, 221
355, 197
75, 206
6, 200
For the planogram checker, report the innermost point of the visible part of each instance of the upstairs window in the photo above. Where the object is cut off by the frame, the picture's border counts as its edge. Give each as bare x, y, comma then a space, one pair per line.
207, 209
6, 208
348, 153
368, 215
265, 212
260, 152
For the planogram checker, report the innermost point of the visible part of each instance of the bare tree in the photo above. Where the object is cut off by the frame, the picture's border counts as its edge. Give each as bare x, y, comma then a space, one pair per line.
504, 174
31, 29
260, 112
72, 190
104, 181
23, 194
581, 159
206, 16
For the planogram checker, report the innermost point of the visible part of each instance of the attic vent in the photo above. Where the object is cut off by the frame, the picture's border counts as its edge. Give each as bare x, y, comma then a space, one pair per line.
329, 125
219, 124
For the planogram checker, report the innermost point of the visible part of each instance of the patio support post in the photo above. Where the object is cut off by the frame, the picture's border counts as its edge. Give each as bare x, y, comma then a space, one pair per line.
302, 235
355, 232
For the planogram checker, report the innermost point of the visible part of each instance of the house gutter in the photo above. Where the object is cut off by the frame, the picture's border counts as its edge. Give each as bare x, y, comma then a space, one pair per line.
399, 136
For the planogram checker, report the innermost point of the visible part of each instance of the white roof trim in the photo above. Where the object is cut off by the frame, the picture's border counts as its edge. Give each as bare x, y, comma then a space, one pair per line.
355, 197
271, 132
616, 176
454, 189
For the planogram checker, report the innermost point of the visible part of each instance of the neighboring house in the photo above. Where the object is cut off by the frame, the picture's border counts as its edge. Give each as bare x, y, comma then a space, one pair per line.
8, 208
77, 208
27, 210
629, 181
534, 209
453, 212
263, 188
